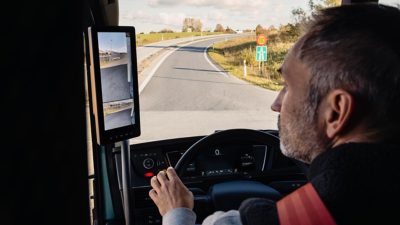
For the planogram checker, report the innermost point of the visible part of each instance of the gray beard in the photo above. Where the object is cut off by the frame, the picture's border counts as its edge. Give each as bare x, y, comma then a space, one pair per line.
302, 140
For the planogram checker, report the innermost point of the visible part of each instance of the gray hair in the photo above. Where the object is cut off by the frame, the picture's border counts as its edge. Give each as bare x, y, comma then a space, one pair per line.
356, 48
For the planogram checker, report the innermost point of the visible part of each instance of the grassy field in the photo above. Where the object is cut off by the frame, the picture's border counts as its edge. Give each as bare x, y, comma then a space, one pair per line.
231, 54
144, 39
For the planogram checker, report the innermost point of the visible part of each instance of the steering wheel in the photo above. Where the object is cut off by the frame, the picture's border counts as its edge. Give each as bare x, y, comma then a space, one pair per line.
229, 195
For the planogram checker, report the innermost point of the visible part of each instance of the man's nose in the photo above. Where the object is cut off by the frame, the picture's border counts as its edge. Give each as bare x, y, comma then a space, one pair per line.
276, 105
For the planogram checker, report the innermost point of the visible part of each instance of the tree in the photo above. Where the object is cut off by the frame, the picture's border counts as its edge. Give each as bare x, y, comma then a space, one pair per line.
191, 24
300, 15
273, 34
314, 6
187, 24
219, 28
272, 27
260, 30
229, 30
166, 30
197, 25
289, 32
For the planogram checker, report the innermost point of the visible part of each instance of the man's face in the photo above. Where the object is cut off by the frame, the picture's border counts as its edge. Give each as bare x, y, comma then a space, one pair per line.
300, 135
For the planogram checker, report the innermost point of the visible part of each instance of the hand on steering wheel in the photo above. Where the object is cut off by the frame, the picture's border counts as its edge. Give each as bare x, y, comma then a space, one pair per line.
169, 192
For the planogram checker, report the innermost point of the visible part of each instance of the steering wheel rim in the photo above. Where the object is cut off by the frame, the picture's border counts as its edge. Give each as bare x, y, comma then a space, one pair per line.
248, 135
229, 195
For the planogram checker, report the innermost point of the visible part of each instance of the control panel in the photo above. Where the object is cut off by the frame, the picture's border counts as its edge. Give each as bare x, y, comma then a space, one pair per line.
244, 160
211, 165
148, 164
228, 160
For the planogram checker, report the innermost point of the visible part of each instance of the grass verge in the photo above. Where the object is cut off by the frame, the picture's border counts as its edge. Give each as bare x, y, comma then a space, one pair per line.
231, 54
144, 39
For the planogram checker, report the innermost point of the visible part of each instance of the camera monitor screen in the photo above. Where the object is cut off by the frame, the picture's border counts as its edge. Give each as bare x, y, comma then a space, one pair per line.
114, 83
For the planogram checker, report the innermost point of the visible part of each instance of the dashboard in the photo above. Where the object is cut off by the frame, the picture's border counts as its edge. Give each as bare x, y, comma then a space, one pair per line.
213, 162
213, 165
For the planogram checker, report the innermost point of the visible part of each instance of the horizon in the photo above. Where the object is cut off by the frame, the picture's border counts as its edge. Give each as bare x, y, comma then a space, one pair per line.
155, 15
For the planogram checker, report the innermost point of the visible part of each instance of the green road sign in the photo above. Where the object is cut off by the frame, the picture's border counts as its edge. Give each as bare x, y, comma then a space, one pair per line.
261, 53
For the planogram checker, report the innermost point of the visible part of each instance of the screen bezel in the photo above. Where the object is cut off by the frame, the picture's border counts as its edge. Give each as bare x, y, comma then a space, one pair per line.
122, 133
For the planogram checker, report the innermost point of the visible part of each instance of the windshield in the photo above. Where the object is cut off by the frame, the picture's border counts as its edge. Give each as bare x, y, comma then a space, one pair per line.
209, 65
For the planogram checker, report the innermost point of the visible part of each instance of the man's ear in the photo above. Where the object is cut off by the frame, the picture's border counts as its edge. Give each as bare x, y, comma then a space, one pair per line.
338, 110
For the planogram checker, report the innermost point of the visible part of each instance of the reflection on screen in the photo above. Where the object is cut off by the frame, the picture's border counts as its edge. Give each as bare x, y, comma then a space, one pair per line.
116, 79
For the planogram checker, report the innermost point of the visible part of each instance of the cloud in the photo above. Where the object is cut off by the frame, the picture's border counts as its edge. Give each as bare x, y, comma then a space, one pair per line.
167, 20
228, 4
218, 17
171, 19
154, 15
156, 3
218, 4
138, 16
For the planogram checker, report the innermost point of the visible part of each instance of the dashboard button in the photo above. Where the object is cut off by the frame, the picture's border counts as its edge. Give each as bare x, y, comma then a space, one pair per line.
148, 174
148, 163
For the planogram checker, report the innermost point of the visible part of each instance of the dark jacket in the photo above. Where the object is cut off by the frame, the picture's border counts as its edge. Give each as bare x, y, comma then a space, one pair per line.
358, 182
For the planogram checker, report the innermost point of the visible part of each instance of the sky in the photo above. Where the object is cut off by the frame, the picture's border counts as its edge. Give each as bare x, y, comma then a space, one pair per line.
155, 15
115, 42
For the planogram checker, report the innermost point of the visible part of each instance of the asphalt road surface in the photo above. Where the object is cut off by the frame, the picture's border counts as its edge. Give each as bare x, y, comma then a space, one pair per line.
114, 83
145, 51
188, 95
118, 119
115, 87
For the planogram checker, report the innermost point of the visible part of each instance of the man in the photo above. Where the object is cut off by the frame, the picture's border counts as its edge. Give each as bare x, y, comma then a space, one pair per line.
339, 111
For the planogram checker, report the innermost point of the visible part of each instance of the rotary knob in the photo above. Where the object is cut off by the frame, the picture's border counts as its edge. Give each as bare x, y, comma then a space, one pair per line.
148, 163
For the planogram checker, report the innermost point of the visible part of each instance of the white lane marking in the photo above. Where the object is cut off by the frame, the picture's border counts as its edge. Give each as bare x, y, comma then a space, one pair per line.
212, 64
153, 71
151, 74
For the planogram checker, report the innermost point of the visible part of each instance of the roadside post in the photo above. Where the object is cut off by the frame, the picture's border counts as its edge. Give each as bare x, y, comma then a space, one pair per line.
244, 68
261, 51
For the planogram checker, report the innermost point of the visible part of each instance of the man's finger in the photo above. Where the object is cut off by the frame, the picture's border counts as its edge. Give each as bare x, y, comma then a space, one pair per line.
153, 195
162, 178
155, 184
172, 174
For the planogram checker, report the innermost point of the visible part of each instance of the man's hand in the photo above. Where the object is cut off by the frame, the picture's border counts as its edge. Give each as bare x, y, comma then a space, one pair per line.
169, 192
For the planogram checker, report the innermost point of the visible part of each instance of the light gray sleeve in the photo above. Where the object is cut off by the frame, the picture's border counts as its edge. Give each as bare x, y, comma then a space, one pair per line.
185, 216
179, 216
231, 217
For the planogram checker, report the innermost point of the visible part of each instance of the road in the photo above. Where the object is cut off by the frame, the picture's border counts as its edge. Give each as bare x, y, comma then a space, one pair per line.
188, 95
118, 119
145, 51
114, 83
115, 87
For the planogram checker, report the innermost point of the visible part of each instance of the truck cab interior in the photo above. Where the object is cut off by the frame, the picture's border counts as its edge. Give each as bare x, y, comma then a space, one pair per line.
50, 137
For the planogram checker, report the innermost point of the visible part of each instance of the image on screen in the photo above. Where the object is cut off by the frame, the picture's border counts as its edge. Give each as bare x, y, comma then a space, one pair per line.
116, 79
